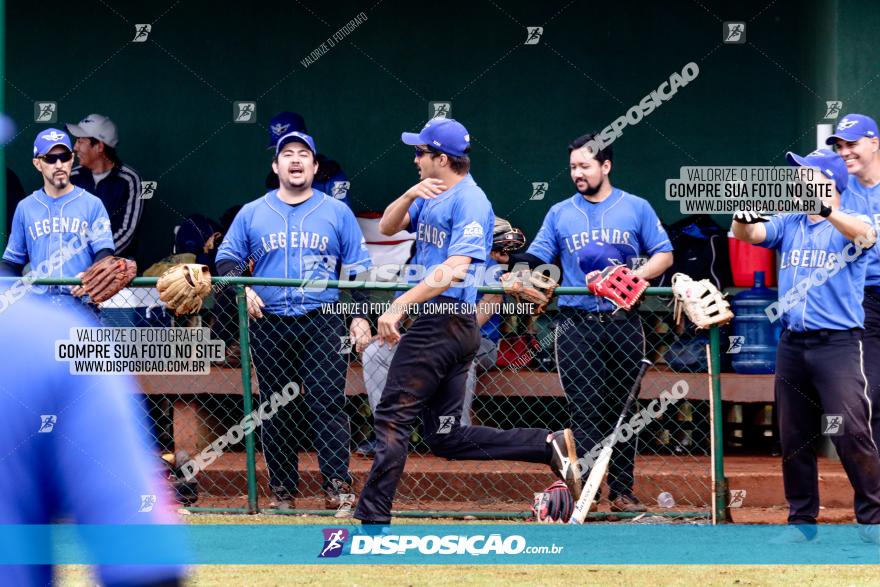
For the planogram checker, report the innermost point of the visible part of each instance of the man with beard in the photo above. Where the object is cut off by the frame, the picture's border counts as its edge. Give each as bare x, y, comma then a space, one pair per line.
597, 358
299, 232
856, 141
59, 229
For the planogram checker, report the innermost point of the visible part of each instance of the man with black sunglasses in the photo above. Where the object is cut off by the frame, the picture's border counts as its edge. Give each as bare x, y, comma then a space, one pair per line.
60, 229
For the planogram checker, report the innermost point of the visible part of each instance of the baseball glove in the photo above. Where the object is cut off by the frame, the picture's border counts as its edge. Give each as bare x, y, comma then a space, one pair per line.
701, 301
506, 238
527, 286
617, 284
554, 504
105, 278
184, 287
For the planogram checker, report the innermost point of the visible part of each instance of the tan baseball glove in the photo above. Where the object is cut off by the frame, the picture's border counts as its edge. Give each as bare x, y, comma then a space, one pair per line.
530, 287
184, 287
701, 301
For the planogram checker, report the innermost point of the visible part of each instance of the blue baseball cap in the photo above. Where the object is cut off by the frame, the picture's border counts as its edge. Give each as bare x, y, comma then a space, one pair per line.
852, 127
827, 161
48, 138
298, 137
443, 134
283, 123
597, 255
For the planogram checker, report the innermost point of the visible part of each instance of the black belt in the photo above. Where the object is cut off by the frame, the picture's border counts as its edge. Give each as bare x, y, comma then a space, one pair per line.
822, 333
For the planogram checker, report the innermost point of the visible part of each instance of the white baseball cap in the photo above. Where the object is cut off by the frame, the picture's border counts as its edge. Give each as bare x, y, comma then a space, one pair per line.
96, 126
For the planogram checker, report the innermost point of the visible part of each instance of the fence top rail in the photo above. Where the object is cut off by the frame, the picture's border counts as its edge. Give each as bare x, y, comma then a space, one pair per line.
330, 283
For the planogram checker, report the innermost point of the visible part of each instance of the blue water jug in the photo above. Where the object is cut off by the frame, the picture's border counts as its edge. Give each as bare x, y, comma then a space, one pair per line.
756, 336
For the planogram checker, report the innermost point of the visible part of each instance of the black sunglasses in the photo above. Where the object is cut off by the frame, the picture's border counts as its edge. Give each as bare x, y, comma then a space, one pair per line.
420, 152
63, 157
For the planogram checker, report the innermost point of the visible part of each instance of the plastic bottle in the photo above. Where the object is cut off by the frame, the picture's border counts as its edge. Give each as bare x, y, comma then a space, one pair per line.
665, 500
757, 336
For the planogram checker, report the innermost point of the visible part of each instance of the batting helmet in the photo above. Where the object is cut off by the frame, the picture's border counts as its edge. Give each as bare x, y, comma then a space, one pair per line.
506, 238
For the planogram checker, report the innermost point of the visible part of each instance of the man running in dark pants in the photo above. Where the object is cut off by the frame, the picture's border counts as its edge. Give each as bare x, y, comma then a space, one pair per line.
820, 378
453, 221
598, 348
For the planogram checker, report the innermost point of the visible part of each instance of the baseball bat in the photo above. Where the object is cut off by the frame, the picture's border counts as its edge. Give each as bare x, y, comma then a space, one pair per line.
600, 467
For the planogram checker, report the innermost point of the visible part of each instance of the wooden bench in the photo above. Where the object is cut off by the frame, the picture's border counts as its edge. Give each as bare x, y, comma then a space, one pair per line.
193, 426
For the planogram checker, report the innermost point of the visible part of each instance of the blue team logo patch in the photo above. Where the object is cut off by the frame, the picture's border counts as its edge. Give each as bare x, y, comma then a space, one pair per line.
334, 541
474, 229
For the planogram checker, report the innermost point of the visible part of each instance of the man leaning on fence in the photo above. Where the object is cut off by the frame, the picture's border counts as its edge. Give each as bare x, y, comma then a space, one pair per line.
298, 232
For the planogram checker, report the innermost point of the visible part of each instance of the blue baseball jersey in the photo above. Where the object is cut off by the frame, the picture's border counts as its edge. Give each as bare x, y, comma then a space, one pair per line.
626, 221
316, 240
866, 200
458, 221
75, 446
807, 247
59, 237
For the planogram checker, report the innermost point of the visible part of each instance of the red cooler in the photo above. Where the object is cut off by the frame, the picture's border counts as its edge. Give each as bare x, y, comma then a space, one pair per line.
747, 259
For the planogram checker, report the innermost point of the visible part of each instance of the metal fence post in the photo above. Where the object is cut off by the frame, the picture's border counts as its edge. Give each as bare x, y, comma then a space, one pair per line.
247, 403
719, 489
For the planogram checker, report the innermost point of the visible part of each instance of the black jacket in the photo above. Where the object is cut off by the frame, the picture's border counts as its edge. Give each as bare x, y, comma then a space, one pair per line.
121, 194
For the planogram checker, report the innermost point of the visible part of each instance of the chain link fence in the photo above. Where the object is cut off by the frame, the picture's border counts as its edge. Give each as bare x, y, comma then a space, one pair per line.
555, 370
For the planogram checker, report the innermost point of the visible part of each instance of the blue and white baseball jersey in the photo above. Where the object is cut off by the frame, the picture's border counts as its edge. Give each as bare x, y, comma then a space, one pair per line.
75, 447
314, 240
808, 250
622, 219
866, 200
59, 237
458, 221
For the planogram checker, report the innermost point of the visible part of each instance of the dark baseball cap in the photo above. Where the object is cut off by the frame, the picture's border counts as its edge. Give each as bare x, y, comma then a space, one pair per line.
442, 134
283, 123
852, 127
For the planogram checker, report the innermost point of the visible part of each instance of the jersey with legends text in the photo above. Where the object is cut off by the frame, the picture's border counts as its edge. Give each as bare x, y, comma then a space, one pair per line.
807, 249
621, 219
66, 232
316, 240
457, 222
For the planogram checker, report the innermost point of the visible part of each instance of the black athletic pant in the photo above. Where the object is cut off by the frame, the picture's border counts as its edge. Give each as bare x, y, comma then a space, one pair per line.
871, 344
597, 358
427, 377
820, 372
303, 350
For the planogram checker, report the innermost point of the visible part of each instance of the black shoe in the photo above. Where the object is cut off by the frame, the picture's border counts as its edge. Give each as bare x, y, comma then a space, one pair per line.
564, 461
340, 497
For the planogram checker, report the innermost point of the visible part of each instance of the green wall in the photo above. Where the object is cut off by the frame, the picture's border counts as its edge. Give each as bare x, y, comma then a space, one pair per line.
172, 95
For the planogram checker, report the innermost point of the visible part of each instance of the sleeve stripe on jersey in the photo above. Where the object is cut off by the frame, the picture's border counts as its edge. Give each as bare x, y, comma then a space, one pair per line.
133, 209
660, 244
